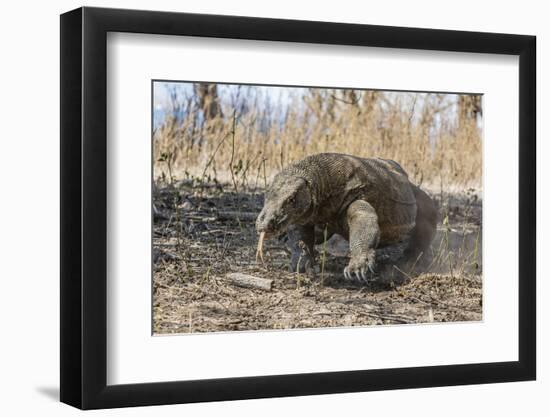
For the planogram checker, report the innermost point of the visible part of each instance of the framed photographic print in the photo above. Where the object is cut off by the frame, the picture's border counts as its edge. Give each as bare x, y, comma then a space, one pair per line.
256, 208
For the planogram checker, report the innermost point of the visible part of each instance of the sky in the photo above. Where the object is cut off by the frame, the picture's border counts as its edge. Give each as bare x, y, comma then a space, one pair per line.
278, 96
161, 92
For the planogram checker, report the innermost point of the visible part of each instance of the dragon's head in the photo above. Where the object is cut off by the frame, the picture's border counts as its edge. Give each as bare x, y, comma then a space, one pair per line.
287, 200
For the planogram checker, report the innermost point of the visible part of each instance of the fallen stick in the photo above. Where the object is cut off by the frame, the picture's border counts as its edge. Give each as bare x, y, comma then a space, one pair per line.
250, 281
199, 218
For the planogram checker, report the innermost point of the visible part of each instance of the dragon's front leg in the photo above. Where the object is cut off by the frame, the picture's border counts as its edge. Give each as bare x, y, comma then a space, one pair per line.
364, 234
301, 241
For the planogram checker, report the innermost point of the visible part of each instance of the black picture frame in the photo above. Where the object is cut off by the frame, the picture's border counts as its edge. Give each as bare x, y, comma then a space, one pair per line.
84, 207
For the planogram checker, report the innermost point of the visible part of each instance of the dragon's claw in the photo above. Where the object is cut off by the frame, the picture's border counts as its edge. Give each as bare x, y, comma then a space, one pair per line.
360, 270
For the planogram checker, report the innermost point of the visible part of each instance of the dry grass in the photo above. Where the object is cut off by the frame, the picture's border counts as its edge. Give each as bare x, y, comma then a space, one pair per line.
423, 132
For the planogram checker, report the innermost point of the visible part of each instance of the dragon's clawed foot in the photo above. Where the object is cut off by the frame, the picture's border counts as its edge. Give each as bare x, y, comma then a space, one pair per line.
301, 259
361, 269
301, 263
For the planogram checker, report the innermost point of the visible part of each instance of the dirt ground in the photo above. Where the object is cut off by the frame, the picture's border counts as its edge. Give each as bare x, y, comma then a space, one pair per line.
202, 232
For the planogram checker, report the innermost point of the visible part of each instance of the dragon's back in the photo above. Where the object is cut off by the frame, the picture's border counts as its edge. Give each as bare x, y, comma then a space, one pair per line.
340, 179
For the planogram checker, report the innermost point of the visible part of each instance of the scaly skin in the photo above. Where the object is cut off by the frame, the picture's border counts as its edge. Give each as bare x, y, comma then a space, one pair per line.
369, 201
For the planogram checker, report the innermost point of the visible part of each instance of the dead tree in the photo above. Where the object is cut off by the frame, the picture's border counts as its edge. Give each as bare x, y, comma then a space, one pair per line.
469, 107
208, 104
209, 101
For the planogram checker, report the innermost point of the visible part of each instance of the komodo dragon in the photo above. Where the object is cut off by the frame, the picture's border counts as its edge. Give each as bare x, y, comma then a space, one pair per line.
368, 201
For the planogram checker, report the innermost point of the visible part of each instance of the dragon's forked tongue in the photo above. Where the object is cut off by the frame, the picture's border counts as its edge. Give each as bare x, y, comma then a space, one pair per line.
260, 248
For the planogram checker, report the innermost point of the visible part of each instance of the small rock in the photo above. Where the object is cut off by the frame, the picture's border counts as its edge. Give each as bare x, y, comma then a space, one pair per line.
187, 205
